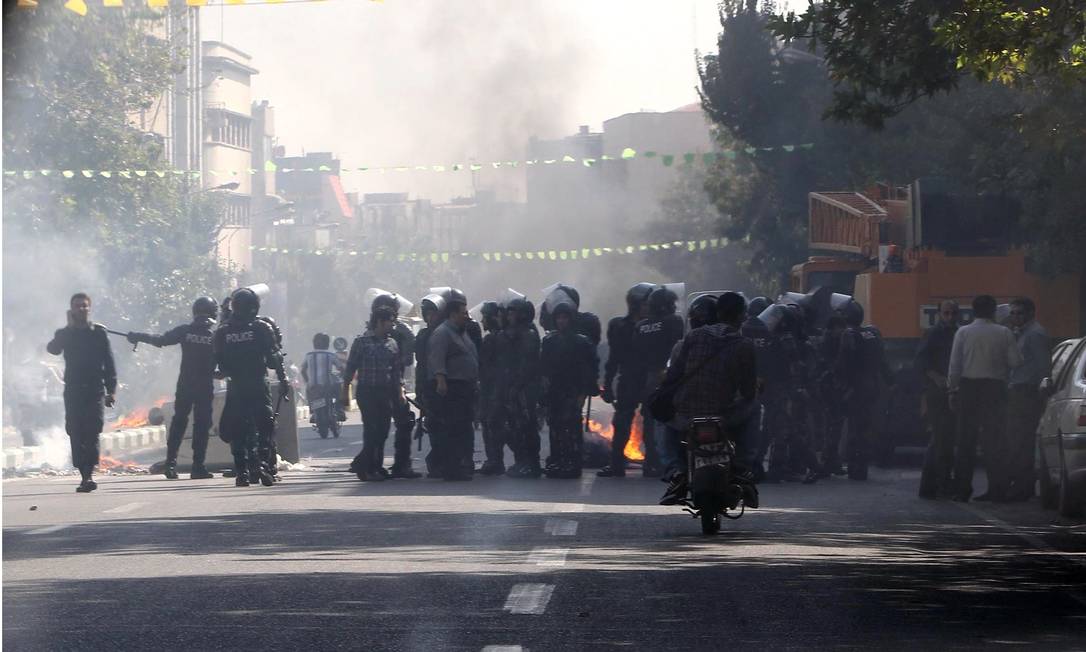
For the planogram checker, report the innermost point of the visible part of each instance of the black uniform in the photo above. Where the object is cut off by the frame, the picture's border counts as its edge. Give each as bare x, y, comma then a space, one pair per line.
862, 365
830, 390
493, 442
89, 374
195, 386
402, 416
424, 386
516, 380
569, 367
933, 358
627, 393
244, 351
653, 340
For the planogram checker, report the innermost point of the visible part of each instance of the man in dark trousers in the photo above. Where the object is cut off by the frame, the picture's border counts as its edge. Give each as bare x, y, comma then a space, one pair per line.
493, 440
245, 348
90, 384
195, 386
569, 367
402, 416
653, 340
981, 360
623, 369
1025, 404
432, 308
454, 364
517, 382
933, 361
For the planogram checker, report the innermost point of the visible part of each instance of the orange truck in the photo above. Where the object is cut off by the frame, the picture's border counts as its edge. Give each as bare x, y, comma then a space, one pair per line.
900, 251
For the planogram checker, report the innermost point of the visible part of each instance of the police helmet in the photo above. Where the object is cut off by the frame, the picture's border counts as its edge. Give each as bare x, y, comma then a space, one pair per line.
245, 304
340, 344
564, 307
702, 311
389, 300
523, 310
638, 294
491, 313
434, 302
757, 306
205, 307
853, 313
454, 295
662, 301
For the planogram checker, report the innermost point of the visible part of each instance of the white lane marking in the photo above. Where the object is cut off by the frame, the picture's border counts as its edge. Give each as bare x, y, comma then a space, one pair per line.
49, 529
548, 557
571, 508
586, 484
529, 598
356, 443
560, 527
334, 450
121, 509
504, 648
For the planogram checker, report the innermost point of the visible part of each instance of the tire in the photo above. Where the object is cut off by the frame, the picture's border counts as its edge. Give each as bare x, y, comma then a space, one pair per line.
1070, 505
1049, 498
322, 424
710, 522
335, 428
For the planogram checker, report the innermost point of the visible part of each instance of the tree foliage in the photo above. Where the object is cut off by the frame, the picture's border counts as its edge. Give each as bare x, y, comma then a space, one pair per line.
143, 246
885, 54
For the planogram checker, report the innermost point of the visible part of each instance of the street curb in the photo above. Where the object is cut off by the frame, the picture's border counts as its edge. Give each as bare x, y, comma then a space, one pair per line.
110, 443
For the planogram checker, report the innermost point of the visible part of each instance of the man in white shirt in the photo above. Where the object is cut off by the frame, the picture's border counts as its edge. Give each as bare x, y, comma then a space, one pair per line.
981, 360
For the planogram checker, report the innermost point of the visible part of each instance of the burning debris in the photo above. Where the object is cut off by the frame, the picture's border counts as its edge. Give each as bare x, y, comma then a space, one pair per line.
604, 433
141, 417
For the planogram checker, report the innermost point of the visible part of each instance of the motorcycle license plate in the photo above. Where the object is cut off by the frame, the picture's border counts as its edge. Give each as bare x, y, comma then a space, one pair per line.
711, 454
318, 403
700, 462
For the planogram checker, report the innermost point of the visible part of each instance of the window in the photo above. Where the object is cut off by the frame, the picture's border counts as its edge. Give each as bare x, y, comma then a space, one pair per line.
228, 128
236, 212
1063, 354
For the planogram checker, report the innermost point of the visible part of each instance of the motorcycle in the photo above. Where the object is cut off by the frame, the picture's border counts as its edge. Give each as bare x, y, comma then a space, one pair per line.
325, 413
715, 490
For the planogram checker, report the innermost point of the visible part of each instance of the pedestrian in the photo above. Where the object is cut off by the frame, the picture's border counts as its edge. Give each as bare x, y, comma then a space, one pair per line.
861, 367
622, 379
375, 359
454, 363
720, 378
1025, 405
981, 360
570, 370
245, 348
933, 362
517, 384
90, 384
195, 385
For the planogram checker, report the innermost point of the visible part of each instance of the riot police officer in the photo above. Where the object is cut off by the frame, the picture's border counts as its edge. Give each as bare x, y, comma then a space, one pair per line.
493, 443
569, 367
195, 384
654, 338
861, 362
517, 391
402, 416
625, 396
432, 308
245, 348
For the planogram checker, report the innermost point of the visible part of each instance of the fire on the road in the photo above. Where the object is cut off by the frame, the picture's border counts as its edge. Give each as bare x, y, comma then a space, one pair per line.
634, 449
139, 417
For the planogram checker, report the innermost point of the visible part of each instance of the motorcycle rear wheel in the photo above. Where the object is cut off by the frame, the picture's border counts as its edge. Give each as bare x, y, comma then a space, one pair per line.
710, 522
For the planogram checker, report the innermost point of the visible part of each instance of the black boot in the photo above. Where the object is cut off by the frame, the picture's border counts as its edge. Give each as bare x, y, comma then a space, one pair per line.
171, 470
241, 478
612, 471
199, 472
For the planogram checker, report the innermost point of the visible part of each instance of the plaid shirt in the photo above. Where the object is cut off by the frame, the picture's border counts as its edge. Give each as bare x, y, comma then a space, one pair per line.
719, 367
376, 360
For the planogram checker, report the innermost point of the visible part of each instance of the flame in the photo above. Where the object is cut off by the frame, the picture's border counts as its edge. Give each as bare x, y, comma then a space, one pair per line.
107, 463
139, 417
633, 450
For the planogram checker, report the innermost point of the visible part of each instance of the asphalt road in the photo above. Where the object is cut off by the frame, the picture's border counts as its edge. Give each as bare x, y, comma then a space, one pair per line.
323, 562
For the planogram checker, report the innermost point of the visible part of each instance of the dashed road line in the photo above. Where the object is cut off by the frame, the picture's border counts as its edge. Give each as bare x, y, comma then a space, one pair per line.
504, 648
333, 450
560, 527
548, 557
529, 598
586, 484
49, 529
122, 509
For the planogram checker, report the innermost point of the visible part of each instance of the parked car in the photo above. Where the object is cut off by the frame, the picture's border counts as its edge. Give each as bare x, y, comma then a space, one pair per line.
1062, 430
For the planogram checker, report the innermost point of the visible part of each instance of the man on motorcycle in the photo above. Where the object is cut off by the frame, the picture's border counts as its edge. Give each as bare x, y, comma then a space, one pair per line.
720, 381
322, 372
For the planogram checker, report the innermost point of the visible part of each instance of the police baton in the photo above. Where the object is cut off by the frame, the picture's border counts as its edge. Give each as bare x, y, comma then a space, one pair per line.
588, 414
135, 345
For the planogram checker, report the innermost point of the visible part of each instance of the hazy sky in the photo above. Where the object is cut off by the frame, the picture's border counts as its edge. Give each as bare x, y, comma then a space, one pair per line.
408, 82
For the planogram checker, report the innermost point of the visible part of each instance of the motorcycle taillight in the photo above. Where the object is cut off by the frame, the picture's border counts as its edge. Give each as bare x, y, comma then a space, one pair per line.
707, 434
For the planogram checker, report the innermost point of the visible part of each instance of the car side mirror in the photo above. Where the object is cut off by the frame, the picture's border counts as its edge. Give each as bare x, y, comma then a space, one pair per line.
1046, 388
